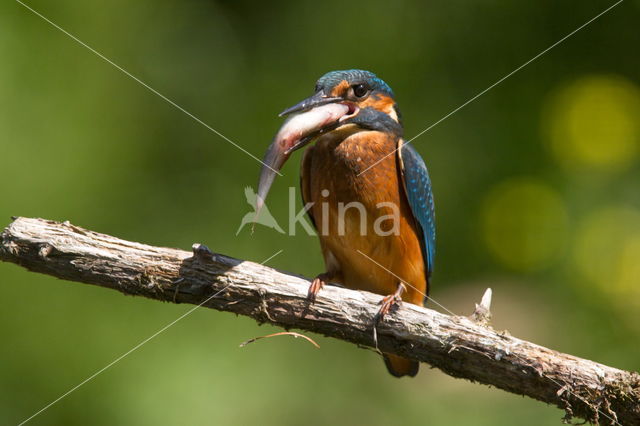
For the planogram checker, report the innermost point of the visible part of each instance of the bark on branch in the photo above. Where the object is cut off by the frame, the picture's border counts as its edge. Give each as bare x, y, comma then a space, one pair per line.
459, 346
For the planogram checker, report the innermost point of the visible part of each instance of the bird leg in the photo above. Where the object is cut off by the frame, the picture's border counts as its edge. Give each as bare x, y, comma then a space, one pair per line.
317, 284
388, 302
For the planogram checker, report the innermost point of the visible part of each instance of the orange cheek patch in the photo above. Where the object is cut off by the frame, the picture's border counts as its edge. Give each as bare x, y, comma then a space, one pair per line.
340, 89
380, 102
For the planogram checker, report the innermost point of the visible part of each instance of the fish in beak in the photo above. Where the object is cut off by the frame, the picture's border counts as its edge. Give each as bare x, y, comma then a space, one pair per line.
308, 120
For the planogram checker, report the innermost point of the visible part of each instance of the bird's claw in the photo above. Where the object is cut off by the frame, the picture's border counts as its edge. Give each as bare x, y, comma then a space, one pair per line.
316, 285
390, 302
386, 305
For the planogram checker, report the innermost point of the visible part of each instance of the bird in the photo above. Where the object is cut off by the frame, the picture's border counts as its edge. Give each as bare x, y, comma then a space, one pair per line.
368, 192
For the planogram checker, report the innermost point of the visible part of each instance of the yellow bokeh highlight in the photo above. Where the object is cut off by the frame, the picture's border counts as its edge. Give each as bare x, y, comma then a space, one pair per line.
524, 223
594, 124
607, 252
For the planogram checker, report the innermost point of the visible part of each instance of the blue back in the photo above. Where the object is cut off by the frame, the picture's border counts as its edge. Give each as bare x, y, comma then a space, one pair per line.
417, 185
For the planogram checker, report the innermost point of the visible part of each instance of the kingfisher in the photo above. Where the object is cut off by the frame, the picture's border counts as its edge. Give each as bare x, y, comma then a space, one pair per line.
367, 192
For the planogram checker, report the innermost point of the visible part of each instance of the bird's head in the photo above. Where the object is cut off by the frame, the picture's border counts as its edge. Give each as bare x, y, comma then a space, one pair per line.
370, 100
344, 101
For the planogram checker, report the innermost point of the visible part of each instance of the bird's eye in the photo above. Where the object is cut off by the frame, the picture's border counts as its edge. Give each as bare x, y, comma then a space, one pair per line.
360, 90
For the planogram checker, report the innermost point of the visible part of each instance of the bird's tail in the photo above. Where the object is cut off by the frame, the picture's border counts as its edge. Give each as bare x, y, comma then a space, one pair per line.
399, 366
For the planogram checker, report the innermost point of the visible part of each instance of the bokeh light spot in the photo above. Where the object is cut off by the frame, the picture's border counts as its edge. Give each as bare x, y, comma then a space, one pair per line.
594, 124
524, 223
607, 252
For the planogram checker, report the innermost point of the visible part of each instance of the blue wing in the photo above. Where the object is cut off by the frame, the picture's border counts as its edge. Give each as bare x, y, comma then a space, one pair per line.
417, 186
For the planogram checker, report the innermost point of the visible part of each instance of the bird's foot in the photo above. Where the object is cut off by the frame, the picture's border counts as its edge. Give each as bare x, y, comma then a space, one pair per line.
316, 285
390, 302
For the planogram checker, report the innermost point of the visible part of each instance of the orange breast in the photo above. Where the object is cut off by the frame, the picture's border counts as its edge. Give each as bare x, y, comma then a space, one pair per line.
364, 219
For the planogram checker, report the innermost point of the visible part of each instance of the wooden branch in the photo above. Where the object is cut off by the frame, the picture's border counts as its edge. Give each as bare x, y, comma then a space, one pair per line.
459, 346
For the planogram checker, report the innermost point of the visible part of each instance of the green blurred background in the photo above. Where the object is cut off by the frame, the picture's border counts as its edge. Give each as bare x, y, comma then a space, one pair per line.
536, 184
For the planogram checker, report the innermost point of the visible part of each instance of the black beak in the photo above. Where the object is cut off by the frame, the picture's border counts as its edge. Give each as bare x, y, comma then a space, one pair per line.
311, 102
